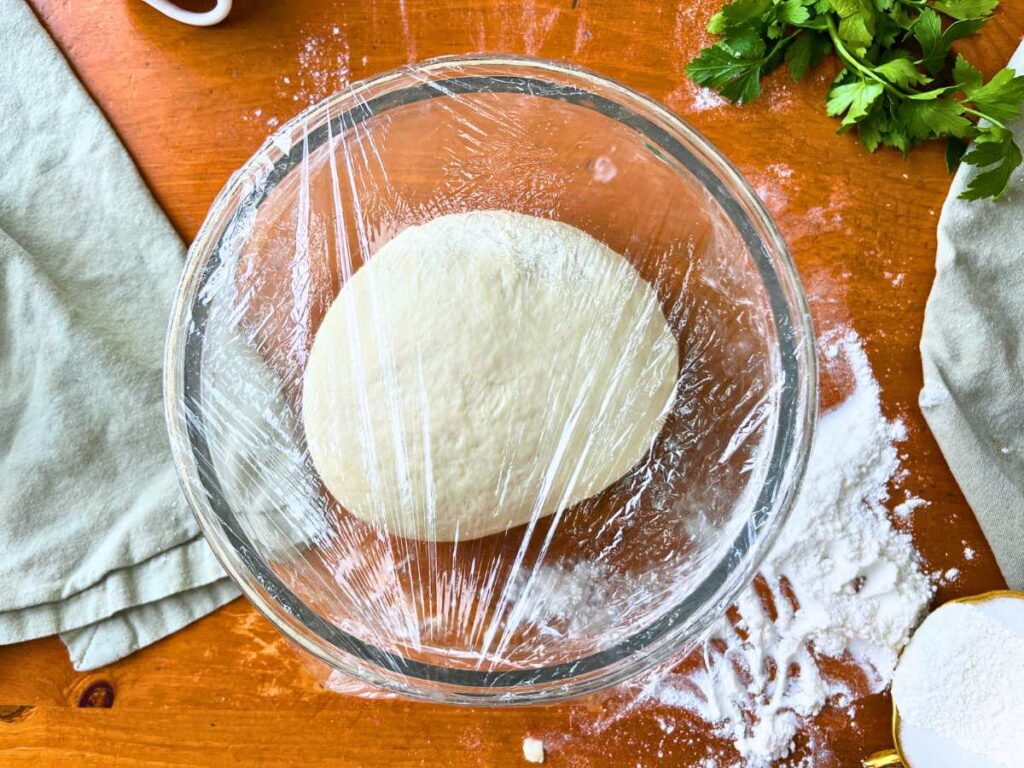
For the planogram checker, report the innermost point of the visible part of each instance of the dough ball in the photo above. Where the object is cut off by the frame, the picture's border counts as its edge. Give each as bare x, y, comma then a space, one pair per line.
483, 369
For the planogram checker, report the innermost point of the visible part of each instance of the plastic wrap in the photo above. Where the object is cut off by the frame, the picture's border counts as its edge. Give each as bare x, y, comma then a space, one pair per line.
558, 407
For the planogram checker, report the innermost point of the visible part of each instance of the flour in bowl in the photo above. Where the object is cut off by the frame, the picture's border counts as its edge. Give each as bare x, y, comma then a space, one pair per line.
958, 686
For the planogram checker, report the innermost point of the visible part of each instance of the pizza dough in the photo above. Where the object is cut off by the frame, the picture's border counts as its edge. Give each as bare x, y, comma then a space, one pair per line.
482, 370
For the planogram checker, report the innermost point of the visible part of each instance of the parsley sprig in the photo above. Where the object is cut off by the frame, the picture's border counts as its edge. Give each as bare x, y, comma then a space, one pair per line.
900, 84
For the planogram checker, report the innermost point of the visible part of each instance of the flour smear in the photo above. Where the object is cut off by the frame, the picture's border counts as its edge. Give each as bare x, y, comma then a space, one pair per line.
841, 583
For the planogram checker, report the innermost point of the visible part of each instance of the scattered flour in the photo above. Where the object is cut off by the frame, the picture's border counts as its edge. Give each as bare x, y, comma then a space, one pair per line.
827, 218
705, 99
536, 25
771, 186
840, 582
583, 33
906, 508
779, 95
691, 16
581, 601
533, 750
774, 185
407, 33
969, 553
323, 68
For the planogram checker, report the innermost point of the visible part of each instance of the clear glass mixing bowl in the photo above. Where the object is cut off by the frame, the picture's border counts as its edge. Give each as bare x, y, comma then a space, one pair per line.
567, 604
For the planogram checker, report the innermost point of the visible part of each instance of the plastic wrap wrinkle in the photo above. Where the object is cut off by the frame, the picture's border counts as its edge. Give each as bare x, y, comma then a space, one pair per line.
475, 400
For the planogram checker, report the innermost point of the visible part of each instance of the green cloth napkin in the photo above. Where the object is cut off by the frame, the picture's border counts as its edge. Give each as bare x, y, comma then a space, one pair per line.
96, 541
972, 348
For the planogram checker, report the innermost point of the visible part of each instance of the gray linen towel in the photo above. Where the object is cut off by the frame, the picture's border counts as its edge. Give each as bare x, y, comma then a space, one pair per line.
972, 348
96, 541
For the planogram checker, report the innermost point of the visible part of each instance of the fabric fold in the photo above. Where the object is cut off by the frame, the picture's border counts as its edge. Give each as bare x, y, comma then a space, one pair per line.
99, 644
96, 540
972, 350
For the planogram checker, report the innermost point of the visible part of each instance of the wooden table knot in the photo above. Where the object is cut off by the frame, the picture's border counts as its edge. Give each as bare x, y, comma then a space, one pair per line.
99, 694
12, 713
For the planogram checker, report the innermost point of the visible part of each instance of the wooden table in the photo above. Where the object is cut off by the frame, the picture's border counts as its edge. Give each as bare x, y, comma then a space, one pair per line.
191, 105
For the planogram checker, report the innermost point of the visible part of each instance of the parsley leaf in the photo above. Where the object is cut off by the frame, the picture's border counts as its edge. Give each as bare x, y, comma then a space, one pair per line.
932, 119
936, 43
738, 13
806, 53
955, 149
927, 30
1000, 98
967, 75
963, 28
857, 24
872, 128
733, 67
902, 72
853, 99
966, 9
794, 12
996, 153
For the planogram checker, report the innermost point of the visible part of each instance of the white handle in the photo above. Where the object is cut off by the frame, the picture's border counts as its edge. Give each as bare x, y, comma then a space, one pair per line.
204, 19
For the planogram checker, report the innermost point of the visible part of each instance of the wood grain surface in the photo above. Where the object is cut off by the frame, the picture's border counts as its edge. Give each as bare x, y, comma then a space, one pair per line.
191, 105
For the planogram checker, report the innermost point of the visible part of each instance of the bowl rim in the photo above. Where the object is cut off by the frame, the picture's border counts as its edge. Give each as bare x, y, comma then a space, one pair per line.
641, 650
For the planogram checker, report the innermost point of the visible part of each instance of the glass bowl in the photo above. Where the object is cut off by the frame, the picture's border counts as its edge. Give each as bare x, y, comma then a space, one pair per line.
564, 605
